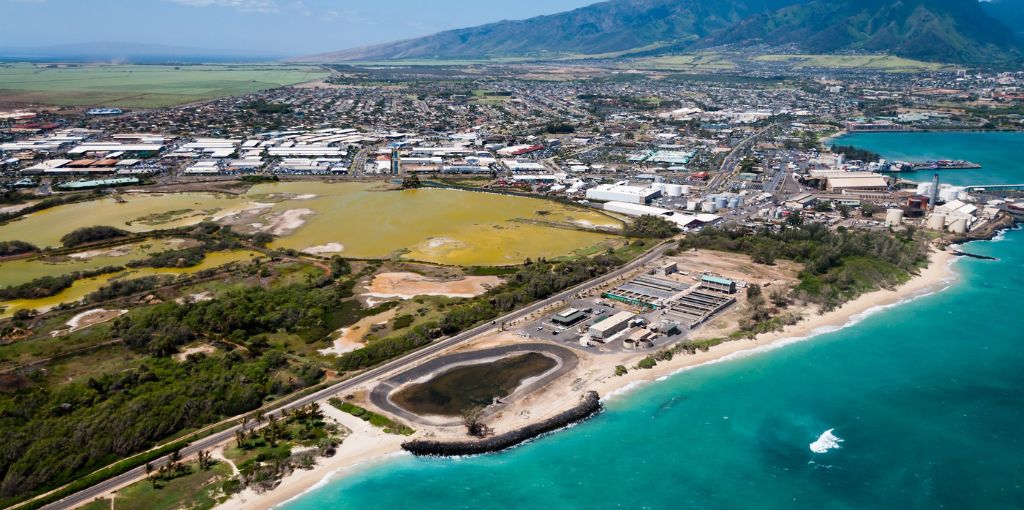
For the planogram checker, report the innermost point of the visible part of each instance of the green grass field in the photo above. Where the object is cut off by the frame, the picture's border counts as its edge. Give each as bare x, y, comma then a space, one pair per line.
883, 62
142, 86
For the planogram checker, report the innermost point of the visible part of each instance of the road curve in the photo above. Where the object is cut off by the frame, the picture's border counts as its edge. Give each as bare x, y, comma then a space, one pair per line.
213, 440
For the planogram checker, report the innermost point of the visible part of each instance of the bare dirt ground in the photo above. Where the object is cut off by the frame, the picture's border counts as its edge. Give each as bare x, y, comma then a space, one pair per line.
351, 338
410, 285
87, 319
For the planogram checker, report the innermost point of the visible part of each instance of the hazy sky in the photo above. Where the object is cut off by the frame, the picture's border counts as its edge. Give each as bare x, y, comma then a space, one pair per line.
290, 27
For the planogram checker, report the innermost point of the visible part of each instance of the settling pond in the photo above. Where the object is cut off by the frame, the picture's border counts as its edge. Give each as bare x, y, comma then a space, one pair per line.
349, 219
471, 386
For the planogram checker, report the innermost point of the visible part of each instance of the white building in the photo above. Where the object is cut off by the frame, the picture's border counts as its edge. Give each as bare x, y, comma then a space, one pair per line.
617, 193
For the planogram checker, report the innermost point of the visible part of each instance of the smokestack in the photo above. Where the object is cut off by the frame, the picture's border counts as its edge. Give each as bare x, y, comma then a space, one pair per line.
935, 192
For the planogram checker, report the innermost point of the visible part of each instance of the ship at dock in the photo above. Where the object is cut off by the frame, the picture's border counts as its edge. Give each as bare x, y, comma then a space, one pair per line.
942, 164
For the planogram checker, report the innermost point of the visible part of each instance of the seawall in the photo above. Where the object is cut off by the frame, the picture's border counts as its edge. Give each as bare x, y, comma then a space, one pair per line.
588, 407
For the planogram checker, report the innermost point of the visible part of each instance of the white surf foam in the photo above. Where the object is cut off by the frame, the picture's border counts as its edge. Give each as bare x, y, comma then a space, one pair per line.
330, 475
826, 441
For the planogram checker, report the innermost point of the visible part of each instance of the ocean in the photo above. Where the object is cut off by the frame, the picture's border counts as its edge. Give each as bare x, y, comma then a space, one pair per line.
915, 406
1001, 154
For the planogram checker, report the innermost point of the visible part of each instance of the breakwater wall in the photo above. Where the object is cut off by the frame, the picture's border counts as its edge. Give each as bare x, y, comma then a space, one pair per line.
589, 406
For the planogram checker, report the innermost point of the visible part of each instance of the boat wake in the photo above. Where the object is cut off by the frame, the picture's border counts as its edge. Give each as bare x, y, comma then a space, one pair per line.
826, 441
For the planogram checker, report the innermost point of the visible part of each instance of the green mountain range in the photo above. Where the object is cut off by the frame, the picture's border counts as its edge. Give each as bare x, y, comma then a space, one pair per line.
955, 31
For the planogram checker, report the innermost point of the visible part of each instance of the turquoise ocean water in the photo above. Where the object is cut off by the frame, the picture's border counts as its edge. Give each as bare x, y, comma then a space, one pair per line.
926, 400
1001, 154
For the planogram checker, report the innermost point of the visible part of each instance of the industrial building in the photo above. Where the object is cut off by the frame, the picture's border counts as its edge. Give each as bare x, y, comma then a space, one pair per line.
606, 328
627, 194
570, 317
718, 284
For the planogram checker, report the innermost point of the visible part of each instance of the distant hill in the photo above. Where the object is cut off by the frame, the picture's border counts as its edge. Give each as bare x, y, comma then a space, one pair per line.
957, 31
606, 27
1009, 12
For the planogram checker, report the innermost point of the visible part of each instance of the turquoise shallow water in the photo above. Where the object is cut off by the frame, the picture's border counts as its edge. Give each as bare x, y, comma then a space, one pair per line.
927, 398
1001, 154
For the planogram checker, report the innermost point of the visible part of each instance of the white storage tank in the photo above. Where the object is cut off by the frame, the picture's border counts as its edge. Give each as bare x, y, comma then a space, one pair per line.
691, 205
687, 189
708, 207
958, 226
674, 190
924, 188
893, 217
937, 222
660, 186
721, 202
734, 202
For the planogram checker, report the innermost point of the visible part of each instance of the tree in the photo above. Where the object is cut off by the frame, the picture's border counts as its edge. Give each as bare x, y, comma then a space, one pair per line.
204, 459
411, 181
471, 418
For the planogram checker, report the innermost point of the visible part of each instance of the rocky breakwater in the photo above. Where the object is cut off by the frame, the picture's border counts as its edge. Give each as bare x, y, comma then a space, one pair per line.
589, 405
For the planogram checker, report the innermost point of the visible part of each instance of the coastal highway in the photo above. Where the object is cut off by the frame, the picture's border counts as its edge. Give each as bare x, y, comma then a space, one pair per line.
412, 358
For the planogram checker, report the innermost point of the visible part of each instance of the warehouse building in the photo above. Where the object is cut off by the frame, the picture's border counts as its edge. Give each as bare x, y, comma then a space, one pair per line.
627, 194
605, 329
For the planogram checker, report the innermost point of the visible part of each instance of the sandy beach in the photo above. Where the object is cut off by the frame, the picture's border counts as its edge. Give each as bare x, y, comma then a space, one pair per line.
367, 445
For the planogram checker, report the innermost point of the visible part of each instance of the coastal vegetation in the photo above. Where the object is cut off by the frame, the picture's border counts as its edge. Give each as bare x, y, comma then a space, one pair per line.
380, 421
838, 266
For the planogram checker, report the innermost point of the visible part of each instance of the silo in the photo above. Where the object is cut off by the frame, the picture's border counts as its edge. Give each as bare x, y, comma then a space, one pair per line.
721, 202
937, 222
958, 226
674, 190
893, 217
708, 207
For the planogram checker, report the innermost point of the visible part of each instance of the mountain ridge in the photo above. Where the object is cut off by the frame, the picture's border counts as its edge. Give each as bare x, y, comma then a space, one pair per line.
953, 31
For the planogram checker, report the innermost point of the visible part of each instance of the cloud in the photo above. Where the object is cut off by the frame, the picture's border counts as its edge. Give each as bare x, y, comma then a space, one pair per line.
241, 5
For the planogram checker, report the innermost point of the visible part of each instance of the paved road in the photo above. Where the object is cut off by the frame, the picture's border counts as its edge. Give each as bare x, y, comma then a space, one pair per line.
348, 384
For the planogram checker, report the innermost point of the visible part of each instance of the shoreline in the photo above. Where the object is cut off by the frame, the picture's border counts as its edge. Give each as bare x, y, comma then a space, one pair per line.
367, 447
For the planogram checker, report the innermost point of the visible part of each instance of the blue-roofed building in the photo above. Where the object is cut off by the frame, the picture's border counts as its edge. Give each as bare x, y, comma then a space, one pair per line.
718, 284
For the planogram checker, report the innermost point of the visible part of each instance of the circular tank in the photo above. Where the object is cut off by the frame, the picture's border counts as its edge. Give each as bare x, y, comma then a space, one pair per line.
924, 188
692, 205
734, 202
958, 226
721, 202
674, 190
660, 186
937, 222
708, 207
686, 189
893, 217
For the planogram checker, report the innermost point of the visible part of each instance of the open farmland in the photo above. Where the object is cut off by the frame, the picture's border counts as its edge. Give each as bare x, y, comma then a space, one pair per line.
141, 86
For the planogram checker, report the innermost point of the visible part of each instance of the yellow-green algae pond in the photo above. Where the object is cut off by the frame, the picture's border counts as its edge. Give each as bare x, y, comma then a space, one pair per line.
17, 272
355, 220
86, 286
